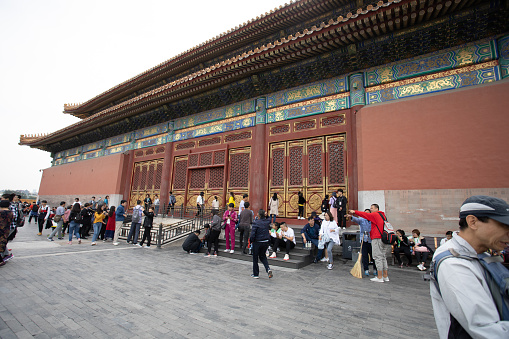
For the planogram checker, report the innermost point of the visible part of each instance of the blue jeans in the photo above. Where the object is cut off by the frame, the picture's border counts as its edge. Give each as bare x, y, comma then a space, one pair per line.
74, 227
97, 230
134, 232
272, 216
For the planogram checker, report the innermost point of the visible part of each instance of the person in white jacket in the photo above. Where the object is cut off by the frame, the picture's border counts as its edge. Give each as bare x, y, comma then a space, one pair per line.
329, 232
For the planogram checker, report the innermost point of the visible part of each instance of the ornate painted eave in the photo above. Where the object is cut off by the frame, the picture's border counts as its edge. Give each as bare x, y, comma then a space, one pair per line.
265, 24
365, 24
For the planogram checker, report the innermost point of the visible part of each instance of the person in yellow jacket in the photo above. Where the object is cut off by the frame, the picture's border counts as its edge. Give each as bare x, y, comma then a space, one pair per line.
232, 199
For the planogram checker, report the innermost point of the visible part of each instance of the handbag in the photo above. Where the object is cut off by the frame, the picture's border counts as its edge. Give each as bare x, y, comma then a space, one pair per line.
325, 239
57, 218
421, 249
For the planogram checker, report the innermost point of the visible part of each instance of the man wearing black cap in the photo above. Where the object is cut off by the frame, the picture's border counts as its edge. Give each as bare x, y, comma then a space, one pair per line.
464, 305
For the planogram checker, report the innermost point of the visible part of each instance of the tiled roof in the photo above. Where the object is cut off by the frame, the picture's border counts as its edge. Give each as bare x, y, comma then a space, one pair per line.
371, 21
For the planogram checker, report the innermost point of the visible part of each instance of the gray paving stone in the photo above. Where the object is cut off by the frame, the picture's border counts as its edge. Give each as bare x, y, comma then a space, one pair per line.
125, 292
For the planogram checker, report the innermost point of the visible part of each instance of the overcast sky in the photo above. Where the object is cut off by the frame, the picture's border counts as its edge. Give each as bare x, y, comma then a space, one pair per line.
54, 52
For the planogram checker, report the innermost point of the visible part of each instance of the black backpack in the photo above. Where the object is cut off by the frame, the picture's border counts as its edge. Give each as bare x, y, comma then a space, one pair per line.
335, 204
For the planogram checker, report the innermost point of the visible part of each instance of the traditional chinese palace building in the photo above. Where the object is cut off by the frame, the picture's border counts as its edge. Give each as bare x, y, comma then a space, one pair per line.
401, 102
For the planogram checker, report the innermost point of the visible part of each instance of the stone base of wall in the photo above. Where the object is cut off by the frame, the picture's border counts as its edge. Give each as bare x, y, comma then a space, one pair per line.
433, 212
54, 200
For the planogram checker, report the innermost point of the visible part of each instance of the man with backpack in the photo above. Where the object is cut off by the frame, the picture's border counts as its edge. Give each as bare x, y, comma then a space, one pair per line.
466, 297
134, 232
379, 249
340, 205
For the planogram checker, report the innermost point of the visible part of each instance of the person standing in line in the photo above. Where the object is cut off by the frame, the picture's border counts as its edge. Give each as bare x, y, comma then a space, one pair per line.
134, 232
106, 200
260, 240
59, 218
215, 231
245, 221
332, 203
377, 219
87, 215
200, 203
147, 225
110, 225
147, 201
215, 205
365, 230
74, 225
330, 228
34, 209
341, 210
273, 208
230, 218
93, 204
301, 202
119, 220
99, 216
5, 227
44, 212
156, 205
102, 232
463, 302
66, 219
171, 203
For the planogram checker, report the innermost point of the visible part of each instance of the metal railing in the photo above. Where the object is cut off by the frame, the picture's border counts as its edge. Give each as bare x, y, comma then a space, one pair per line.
163, 234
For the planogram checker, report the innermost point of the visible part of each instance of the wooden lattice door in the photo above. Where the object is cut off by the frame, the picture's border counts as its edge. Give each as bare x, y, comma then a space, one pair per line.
147, 177
313, 166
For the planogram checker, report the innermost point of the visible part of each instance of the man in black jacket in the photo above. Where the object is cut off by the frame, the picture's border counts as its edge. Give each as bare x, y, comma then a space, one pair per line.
260, 239
192, 244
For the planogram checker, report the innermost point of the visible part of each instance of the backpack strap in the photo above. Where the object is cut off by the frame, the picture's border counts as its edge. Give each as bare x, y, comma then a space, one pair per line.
438, 259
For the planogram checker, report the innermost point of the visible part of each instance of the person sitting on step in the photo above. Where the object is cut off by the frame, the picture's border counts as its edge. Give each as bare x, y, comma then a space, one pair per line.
286, 241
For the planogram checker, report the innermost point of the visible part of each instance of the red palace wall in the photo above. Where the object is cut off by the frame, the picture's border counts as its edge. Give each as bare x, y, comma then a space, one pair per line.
425, 155
455, 139
99, 177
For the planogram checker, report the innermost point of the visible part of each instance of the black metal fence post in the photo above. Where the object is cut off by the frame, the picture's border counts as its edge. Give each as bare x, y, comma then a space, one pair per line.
160, 236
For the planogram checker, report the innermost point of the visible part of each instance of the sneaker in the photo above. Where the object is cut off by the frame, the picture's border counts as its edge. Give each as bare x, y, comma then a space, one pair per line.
79, 241
147, 246
207, 255
69, 243
8, 257
267, 253
287, 257
344, 228
329, 266
50, 239
422, 268
255, 276
376, 279
232, 251
215, 254
226, 250
366, 273
115, 244
93, 244
324, 259
386, 279
191, 252
60, 238
273, 255
39, 233
419, 267
138, 245
270, 274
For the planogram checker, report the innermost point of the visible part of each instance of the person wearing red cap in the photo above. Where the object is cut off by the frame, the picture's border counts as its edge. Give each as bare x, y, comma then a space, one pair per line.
462, 300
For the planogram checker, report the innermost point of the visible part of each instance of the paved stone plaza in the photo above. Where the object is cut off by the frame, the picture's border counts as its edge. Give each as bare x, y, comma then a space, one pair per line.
54, 290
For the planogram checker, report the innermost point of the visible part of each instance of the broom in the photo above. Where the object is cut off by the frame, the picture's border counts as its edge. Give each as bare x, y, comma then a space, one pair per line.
356, 270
